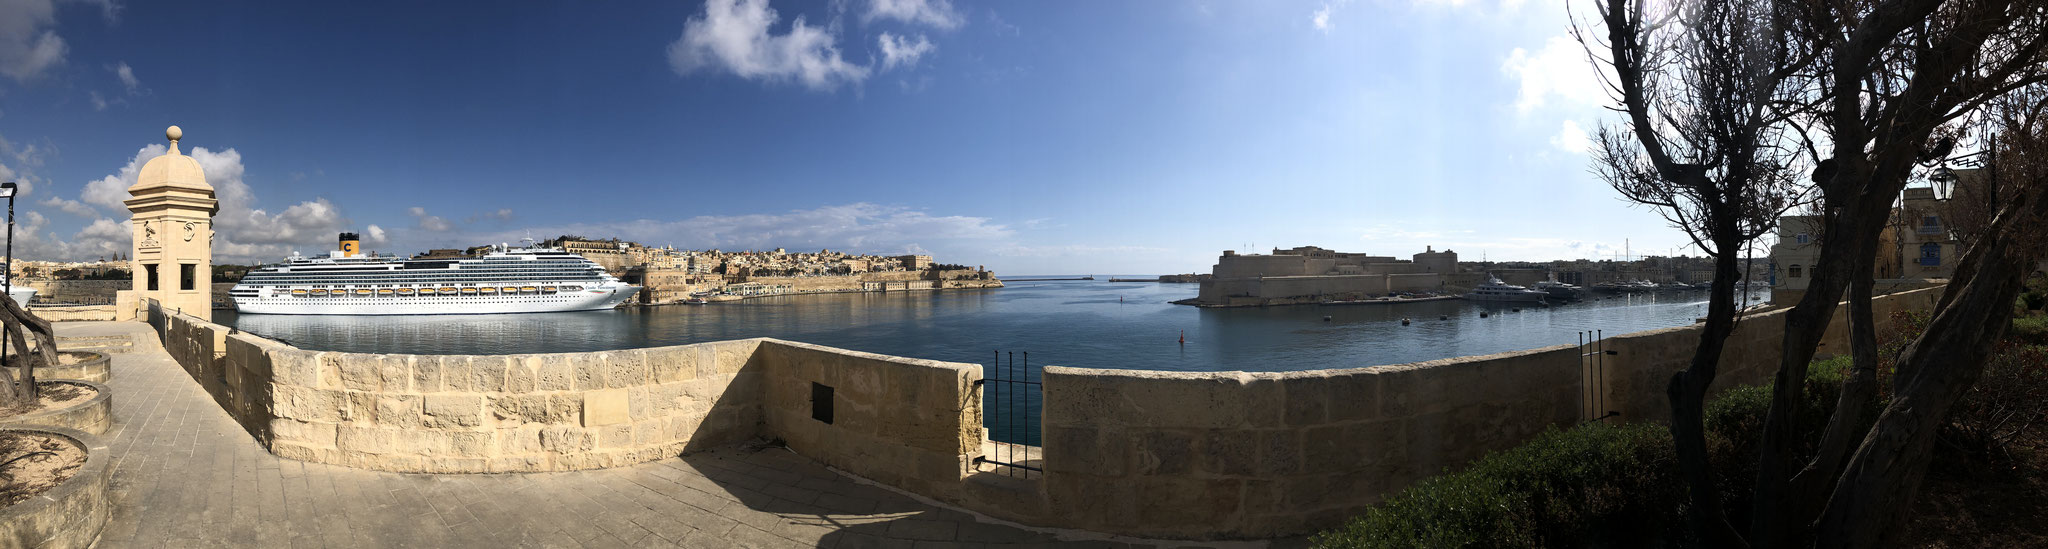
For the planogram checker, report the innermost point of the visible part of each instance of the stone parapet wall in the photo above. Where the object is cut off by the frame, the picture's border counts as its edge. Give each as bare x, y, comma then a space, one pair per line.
73, 313
1202, 455
909, 423
1184, 455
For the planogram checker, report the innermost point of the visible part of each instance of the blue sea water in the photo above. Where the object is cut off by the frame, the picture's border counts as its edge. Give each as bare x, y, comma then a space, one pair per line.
1093, 324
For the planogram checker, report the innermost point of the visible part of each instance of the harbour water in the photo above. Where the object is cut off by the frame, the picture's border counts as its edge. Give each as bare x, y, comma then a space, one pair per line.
1095, 324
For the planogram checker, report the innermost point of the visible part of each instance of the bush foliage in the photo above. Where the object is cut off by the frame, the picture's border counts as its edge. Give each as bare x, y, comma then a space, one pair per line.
1595, 485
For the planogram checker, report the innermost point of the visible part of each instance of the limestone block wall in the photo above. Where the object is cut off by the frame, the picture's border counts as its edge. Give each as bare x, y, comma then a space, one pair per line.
1234, 454
73, 313
910, 423
1643, 362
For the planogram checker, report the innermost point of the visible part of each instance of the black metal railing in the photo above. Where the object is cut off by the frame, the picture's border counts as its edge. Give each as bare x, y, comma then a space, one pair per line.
1593, 354
1008, 402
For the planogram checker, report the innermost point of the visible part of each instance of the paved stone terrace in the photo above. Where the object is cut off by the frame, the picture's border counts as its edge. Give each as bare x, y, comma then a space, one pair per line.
186, 475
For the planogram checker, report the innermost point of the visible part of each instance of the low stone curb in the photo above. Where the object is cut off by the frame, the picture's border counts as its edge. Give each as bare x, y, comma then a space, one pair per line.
69, 515
95, 368
93, 416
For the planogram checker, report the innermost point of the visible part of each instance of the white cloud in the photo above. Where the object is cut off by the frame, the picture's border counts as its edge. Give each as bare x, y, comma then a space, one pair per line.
127, 76
937, 13
1560, 69
72, 207
1321, 18
433, 223
28, 43
1572, 139
734, 36
503, 214
244, 232
98, 103
374, 236
858, 227
901, 51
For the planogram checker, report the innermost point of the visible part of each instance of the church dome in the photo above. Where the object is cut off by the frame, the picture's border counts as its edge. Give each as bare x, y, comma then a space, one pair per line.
173, 169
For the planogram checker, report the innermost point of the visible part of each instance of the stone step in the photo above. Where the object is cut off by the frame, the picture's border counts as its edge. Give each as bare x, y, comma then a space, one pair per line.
84, 339
97, 344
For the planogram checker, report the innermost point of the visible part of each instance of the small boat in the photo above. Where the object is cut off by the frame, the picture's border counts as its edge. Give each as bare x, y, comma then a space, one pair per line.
469, 291
697, 301
319, 293
299, 293
384, 292
362, 292
405, 291
528, 290
508, 290
447, 291
547, 289
487, 291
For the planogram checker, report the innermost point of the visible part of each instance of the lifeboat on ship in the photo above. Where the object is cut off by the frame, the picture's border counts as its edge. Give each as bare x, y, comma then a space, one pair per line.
299, 293
547, 289
487, 291
469, 291
528, 290
362, 292
405, 291
386, 292
447, 291
508, 290
319, 293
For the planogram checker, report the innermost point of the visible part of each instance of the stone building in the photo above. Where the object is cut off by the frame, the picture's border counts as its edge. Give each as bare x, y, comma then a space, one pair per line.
173, 207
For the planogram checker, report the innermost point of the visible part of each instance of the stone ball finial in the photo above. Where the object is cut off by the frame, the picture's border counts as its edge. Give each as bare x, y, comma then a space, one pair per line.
174, 133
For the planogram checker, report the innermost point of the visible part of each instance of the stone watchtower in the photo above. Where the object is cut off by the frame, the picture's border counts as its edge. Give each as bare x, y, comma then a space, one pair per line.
173, 211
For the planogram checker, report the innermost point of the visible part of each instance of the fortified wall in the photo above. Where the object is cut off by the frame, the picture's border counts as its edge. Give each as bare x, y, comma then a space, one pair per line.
1181, 455
1308, 274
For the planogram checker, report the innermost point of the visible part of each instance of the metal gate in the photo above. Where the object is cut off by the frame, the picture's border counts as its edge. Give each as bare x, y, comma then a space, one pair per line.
1010, 406
1593, 376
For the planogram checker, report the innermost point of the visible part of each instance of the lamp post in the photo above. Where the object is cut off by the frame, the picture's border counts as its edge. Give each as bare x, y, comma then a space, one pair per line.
7, 191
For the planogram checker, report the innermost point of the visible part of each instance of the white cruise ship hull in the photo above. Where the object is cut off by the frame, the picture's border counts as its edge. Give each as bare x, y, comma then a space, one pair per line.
22, 295
588, 299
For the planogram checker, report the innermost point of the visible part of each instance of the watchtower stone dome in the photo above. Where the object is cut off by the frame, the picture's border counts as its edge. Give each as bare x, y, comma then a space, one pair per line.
172, 169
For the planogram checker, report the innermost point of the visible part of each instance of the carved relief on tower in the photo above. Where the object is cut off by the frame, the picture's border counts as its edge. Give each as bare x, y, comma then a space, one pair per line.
148, 240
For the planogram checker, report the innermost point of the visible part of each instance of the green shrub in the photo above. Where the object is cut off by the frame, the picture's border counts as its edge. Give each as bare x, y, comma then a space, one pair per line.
1591, 485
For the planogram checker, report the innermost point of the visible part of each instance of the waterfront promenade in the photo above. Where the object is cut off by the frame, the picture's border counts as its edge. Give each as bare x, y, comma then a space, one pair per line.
186, 475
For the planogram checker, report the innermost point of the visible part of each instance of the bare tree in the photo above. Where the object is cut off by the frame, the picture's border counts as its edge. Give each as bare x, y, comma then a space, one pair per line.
1879, 480
1895, 73
22, 392
1704, 146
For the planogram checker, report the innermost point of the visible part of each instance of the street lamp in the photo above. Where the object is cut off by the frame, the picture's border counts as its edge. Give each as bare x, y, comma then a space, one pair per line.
7, 190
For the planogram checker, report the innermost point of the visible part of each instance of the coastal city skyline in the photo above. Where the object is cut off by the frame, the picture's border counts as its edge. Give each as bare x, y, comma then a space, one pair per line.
1029, 139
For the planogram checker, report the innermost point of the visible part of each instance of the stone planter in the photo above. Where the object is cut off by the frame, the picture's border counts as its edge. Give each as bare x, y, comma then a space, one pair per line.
93, 367
93, 415
70, 514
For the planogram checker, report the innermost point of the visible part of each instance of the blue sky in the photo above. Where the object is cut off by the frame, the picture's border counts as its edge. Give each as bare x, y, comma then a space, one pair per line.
1031, 137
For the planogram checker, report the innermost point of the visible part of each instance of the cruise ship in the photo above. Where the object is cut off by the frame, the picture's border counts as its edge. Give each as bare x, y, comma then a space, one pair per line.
504, 280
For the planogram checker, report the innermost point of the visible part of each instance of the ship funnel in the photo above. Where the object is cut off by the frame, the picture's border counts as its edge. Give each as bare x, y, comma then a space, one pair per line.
351, 244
